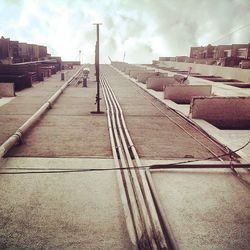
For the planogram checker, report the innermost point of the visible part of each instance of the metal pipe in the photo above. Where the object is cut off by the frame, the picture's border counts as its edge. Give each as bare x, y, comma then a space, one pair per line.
127, 197
97, 67
134, 181
171, 239
159, 235
140, 228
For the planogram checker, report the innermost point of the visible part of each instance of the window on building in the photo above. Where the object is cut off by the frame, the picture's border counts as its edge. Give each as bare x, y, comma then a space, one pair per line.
227, 53
242, 53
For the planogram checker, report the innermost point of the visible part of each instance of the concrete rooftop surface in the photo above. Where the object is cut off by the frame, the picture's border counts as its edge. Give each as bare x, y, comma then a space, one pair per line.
61, 187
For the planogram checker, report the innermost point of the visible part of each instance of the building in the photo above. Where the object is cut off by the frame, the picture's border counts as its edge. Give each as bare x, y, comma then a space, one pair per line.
4, 48
235, 55
67, 186
221, 51
17, 52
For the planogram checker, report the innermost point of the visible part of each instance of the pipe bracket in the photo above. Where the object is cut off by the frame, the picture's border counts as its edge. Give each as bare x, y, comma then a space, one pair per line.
50, 104
19, 135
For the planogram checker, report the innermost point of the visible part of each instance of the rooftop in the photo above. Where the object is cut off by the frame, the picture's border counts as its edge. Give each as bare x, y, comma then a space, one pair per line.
100, 181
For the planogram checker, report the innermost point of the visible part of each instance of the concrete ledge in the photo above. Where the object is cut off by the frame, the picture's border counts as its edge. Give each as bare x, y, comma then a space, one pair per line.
129, 68
134, 73
7, 89
222, 112
122, 67
159, 83
238, 84
133, 68
143, 76
119, 65
225, 72
184, 93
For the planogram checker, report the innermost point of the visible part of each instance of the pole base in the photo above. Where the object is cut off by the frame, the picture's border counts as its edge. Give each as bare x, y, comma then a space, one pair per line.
97, 113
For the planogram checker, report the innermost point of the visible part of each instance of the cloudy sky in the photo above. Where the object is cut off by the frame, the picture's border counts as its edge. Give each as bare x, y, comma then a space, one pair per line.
143, 29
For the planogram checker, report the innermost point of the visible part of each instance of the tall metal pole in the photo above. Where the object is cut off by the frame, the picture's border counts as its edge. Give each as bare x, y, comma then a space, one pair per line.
97, 69
80, 56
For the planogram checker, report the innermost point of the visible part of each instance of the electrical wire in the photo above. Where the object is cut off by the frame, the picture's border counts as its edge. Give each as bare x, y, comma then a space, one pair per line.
232, 32
158, 166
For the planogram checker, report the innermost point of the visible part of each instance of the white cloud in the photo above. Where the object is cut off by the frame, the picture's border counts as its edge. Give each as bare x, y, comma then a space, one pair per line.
144, 29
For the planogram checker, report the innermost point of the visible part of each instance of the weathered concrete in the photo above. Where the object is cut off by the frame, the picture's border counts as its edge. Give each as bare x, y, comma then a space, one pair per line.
68, 129
233, 139
134, 73
206, 209
155, 129
142, 77
9, 124
226, 72
222, 112
7, 89
5, 100
83, 210
219, 89
159, 83
61, 211
122, 66
27, 101
130, 68
154, 139
184, 93
63, 135
26, 105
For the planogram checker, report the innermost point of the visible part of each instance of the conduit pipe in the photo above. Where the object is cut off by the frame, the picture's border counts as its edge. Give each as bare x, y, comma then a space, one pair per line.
128, 200
16, 138
139, 226
146, 236
158, 234
165, 223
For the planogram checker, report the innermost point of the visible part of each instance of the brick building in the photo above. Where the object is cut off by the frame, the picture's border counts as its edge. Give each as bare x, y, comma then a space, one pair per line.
16, 52
241, 51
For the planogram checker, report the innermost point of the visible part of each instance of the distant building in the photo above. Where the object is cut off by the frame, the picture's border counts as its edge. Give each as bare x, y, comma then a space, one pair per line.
221, 51
234, 55
224, 55
16, 52
4, 48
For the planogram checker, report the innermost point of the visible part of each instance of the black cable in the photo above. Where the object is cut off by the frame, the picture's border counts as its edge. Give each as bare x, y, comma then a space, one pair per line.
240, 28
241, 147
67, 170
